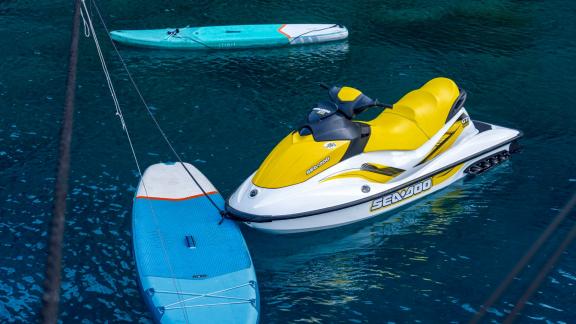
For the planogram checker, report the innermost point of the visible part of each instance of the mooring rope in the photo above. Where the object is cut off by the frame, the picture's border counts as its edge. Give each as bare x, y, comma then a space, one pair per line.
120, 115
51, 295
151, 114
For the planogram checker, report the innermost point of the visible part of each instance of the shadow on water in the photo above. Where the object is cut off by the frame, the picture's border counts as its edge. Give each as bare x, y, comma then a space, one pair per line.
429, 216
282, 55
332, 268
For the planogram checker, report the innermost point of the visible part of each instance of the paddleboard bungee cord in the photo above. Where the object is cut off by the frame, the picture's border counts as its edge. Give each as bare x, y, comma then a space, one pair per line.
313, 31
176, 34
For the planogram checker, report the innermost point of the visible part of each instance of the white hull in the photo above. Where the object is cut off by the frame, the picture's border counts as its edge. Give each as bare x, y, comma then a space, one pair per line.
319, 204
355, 213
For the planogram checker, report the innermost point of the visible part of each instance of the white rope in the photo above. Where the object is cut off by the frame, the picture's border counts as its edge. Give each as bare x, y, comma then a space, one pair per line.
208, 296
150, 114
88, 22
86, 28
212, 294
207, 305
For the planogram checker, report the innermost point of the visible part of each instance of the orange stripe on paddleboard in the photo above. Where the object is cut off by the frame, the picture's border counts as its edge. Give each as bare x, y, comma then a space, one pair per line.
283, 33
175, 199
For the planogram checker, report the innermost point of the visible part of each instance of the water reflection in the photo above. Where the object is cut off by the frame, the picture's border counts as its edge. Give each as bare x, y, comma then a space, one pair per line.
302, 56
350, 264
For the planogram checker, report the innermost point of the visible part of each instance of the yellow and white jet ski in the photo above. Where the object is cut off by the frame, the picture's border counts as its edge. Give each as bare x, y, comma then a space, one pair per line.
335, 170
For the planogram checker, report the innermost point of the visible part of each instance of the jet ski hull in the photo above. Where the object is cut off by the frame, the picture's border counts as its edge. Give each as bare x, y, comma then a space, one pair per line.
336, 170
451, 167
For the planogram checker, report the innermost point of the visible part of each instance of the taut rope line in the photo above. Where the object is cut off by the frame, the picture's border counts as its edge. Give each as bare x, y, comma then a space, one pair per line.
88, 22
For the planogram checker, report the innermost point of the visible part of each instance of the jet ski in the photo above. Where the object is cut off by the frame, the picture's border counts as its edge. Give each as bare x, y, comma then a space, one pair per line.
335, 169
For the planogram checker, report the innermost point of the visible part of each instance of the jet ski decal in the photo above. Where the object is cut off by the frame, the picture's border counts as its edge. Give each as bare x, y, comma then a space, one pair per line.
382, 169
369, 171
448, 138
414, 189
318, 165
401, 194
443, 176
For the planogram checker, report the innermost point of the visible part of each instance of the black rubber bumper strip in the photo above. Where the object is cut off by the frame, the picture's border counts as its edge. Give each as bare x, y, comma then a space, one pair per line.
250, 218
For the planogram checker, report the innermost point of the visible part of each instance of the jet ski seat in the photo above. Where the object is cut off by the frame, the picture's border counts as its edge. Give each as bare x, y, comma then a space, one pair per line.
416, 117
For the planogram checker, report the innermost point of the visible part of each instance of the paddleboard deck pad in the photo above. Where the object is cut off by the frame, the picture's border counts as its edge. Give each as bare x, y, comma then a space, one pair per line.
193, 267
231, 37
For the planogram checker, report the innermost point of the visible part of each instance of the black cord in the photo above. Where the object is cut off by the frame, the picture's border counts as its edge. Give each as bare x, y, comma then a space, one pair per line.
197, 41
312, 31
176, 32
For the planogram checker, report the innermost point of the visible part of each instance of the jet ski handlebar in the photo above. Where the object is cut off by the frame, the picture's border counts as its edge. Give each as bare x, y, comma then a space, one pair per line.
334, 119
353, 107
373, 105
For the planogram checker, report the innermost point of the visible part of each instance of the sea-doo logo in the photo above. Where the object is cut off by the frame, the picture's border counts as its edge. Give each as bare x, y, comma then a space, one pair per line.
401, 194
321, 163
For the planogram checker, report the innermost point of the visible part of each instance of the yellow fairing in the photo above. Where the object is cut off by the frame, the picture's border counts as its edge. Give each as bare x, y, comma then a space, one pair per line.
296, 159
447, 139
415, 118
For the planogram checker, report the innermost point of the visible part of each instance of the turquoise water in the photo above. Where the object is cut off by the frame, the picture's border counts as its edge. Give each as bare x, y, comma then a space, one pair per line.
225, 110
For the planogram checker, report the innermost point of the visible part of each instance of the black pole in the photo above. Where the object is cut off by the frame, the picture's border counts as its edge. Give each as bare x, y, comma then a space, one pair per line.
543, 271
51, 296
524, 261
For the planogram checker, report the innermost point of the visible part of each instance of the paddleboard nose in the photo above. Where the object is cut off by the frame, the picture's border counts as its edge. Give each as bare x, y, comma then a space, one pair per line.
116, 34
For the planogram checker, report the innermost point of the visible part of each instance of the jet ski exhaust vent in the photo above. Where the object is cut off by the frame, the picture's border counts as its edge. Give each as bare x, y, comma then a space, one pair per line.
487, 163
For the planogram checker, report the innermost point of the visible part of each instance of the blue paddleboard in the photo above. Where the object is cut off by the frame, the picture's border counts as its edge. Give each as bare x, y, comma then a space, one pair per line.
192, 267
231, 37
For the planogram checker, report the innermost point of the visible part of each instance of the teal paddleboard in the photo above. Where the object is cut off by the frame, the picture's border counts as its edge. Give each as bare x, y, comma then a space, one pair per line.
230, 37
193, 267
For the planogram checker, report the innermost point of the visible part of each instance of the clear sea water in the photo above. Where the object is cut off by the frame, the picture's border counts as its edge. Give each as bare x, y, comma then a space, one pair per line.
224, 111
